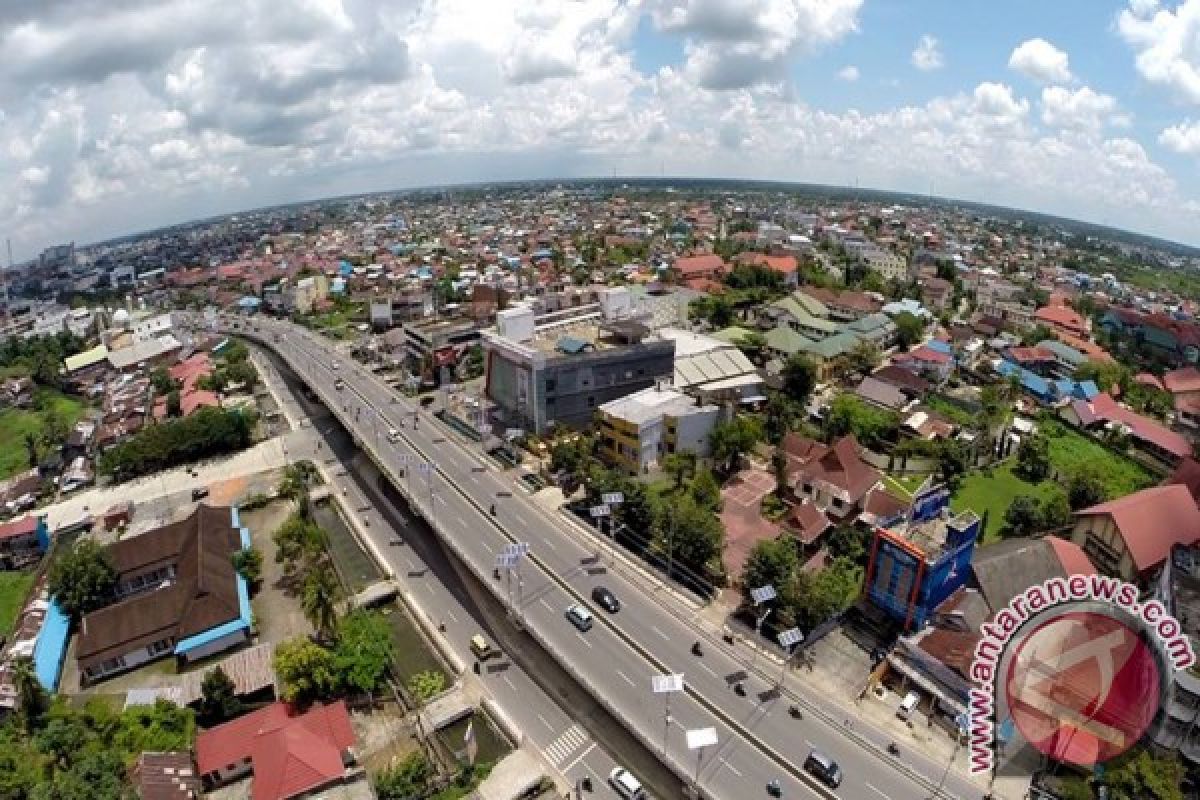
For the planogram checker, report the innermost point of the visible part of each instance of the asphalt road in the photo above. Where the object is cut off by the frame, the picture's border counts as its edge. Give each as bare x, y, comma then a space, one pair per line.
559, 718
757, 740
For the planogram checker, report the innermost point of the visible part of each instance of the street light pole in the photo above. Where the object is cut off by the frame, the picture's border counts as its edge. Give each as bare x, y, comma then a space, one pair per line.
666, 685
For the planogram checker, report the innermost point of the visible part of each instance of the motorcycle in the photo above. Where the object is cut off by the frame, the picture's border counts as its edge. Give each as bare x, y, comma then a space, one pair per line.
893, 749
795, 712
774, 789
696, 650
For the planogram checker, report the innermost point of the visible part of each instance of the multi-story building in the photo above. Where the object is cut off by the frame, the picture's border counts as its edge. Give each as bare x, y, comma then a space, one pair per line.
561, 368
1178, 589
301, 296
891, 266
914, 566
638, 430
430, 345
401, 307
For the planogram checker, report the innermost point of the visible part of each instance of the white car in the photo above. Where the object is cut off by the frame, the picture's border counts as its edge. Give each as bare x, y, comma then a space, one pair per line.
393, 435
580, 617
626, 785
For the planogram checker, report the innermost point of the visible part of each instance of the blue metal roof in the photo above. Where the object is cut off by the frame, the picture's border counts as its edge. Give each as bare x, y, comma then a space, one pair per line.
571, 344
249, 301
51, 647
1089, 389
939, 346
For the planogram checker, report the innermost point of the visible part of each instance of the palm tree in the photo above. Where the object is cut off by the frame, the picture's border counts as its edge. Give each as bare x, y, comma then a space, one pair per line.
319, 599
679, 466
30, 695
297, 478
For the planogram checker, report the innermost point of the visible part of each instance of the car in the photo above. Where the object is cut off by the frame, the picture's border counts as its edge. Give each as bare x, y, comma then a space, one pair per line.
339, 384
427, 401
337, 365
200, 493
824, 768
626, 785
393, 435
908, 705
480, 647
580, 617
604, 598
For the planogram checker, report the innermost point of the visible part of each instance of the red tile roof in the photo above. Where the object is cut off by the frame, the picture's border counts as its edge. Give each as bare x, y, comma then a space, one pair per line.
929, 355
1071, 556
696, 266
838, 465
1182, 380
1104, 408
18, 527
1187, 473
785, 265
1062, 317
1026, 355
807, 522
1146, 379
291, 755
1152, 521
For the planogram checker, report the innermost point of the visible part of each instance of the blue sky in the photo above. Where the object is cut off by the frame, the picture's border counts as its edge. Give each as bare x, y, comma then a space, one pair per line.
125, 116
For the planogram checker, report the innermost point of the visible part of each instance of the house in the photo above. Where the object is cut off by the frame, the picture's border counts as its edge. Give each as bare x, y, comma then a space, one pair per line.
289, 754
692, 268
1131, 537
1063, 319
177, 594
936, 659
833, 477
16, 392
1178, 589
881, 394
23, 541
166, 776
1174, 341
637, 431
907, 381
1187, 473
843, 305
1184, 386
1146, 434
927, 361
936, 293
787, 266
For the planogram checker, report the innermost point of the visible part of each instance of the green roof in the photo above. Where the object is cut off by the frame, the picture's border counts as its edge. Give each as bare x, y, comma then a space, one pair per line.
811, 304
786, 339
86, 358
799, 312
834, 346
733, 334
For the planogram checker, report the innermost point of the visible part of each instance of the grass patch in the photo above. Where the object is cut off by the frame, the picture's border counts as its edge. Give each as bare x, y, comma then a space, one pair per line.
15, 423
981, 492
1069, 450
13, 588
950, 410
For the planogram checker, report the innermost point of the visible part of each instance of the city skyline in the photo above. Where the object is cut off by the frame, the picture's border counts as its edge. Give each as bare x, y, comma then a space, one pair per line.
127, 117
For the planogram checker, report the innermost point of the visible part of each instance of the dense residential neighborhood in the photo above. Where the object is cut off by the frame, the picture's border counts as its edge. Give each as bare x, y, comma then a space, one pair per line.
895, 417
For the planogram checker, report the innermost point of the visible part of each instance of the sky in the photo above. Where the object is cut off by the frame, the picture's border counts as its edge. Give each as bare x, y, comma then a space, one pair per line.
119, 116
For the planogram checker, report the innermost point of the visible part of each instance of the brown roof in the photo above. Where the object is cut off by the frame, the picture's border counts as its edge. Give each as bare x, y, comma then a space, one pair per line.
904, 379
838, 464
166, 776
203, 595
807, 522
844, 299
1187, 473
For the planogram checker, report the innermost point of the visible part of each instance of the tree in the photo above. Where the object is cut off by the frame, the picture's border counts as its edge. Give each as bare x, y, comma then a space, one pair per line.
299, 542
952, 462
242, 372
873, 427
426, 684
1085, 488
174, 404
679, 466
799, 377
864, 357
82, 579
753, 344
54, 428
1033, 458
772, 562
364, 650
31, 450
295, 483
823, 594
705, 489
209, 431
1107, 375
160, 379
218, 697
248, 563
781, 415
731, 440
404, 781
319, 596
849, 542
690, 533
31, 697
1140, 775
1056, 510
1023, 515
306, 670
909, 329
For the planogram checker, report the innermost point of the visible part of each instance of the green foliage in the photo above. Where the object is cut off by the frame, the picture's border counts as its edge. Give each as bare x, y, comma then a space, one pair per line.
909, 329
1107, 375
821, 595
1023, 516
218, 697
174, 404
705, 490
82, 579
679, 466
638, 509
31, 697
731, 440
41, 356
248, 563
572, 456
1033, 458
781, 415
873, 427
208, 432
426, 684
1085, 487
298, 542
364, 649
952, 462
235, 352
1055, 509
160, 379
772, 562
406, 780
849, 542
863, 358
753, 344
306, 671
1140, 775
752, 276
691, 533
716, 309
799, 377
320, 593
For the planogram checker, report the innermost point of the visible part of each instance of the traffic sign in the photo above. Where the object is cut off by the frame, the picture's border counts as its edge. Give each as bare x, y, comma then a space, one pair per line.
792, 636
506, 560
613, 498
667, 683
701, 737
517, 549
600, 511
762, 594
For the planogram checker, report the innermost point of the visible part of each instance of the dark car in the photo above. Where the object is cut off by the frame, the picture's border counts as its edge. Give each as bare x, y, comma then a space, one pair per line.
199, 494
606, 599
825, 768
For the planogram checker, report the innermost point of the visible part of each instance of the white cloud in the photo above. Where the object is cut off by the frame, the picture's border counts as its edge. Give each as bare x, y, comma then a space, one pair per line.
1082, 108
1183, 138
848, 73
1041, 61
927, 56
1167, 44
732, 44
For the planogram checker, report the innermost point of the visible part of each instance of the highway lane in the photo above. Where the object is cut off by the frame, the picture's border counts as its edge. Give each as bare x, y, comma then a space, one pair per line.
652, 627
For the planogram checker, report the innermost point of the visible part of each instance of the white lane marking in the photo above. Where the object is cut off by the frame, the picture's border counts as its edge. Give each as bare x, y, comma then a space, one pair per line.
810, 744
660, 633
508, 680
579, 757
450, 614
583, 639
548, 543
566, 743
542, 600
731, 767
879, 792
545, 722
708, 669
626, 678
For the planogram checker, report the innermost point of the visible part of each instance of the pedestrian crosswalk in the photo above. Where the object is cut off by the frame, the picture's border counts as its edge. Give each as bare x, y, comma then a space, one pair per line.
565, 745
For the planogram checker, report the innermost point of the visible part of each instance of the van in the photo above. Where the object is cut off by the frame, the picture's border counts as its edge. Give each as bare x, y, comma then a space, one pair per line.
824, 768
480, 647
626, 785
580, 617
908, 705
